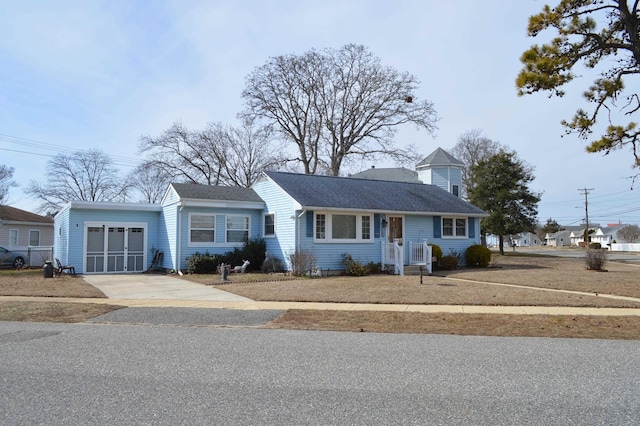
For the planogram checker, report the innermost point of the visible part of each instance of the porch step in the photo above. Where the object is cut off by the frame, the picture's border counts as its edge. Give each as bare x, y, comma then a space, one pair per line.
415, 270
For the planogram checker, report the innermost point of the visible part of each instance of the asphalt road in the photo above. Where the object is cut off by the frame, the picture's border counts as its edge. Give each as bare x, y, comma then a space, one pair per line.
78, 374
574, 253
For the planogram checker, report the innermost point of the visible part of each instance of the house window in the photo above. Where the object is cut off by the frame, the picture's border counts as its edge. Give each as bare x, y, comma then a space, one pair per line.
343, 227
321, 226
455, 190
237, 229
202, 228
269, 225
34, 237
454, 227
13, 237
366, 227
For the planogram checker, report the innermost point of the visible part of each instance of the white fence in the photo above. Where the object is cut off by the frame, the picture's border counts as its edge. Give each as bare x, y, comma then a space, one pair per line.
625, 247
35, 256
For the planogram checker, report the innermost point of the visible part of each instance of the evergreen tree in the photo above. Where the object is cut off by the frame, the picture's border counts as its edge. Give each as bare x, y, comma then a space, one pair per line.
500, 188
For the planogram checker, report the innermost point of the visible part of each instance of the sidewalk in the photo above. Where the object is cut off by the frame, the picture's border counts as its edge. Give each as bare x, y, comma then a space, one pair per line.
254, 305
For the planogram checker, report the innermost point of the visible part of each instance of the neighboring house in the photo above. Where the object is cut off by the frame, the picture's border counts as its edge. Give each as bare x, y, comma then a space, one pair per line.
561, 238
442, 169
439, 168
526, 239
607, 236
26, 232
329, 216
394, 174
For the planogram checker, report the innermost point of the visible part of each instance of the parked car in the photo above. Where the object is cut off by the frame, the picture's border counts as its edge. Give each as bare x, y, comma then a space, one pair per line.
11, 259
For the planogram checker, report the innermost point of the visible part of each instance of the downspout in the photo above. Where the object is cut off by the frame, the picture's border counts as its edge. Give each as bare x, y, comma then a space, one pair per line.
298, 229
178, 243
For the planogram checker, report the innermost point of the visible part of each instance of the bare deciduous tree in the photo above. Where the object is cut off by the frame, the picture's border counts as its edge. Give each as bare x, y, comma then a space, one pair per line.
250, 152
630, 233
85, 175
337, 104
473, 147
218, 155
150, 181
185, 154
6, 182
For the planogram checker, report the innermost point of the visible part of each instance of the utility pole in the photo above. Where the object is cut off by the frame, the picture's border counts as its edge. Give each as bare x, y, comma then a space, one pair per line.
585, 191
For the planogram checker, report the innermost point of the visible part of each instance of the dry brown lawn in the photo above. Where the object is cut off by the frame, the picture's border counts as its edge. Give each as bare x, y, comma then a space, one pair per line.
497, 285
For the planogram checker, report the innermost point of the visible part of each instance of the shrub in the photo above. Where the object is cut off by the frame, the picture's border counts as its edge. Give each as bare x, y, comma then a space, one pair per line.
595, 259
478, 255
272, 265
203, 263
357, 269
373, 268
595, 246
303, 261
449, 262
436, 252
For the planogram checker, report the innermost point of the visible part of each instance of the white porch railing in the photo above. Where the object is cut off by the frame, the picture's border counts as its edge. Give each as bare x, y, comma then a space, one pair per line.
393, 254
421, 254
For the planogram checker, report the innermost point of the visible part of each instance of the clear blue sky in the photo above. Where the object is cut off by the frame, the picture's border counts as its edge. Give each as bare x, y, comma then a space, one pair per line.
99, 74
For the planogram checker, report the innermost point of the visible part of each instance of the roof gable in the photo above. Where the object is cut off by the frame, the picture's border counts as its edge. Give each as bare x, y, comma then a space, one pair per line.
330, 192
12, 214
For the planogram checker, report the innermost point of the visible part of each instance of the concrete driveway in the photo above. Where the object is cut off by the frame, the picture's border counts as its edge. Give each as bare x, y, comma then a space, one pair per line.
158, 287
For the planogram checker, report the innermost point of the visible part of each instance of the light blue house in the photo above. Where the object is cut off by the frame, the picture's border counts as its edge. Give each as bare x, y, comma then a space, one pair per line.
373, 220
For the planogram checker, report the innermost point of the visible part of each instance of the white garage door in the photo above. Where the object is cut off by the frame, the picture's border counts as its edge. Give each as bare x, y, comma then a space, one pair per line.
114, 248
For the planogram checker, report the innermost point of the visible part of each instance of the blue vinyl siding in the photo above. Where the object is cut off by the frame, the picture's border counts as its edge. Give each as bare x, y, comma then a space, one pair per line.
286, 217
220, 246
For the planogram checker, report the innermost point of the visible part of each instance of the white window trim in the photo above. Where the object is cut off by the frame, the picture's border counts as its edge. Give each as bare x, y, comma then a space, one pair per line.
329, 223
39, 235
198, 243
17, 231
264, 229
454, 237
234, 243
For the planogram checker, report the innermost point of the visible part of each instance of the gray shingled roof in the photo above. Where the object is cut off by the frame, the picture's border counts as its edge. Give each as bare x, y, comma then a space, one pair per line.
314, 191
220, 193
12, 214
440, 157
396, 174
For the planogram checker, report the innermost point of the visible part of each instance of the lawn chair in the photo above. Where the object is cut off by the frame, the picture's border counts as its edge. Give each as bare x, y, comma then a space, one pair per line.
61, 268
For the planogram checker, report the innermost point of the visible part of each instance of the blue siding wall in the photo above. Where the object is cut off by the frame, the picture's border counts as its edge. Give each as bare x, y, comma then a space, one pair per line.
168, 236
220, 246
440, 177
61, 236
282, 205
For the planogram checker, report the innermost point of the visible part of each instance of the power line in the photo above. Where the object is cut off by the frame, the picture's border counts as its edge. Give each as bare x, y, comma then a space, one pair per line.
57, 149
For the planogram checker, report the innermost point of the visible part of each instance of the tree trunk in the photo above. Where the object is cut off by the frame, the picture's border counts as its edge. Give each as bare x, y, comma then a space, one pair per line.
501, 244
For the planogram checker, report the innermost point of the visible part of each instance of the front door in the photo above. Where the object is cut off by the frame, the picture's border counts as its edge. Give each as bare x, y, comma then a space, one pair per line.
395, 229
